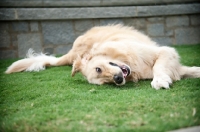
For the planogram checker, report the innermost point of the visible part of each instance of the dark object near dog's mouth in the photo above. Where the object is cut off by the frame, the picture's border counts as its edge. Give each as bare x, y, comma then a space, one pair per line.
125, 69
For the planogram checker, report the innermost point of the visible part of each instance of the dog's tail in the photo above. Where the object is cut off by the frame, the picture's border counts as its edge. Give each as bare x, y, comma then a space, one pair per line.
37, 62
190, 72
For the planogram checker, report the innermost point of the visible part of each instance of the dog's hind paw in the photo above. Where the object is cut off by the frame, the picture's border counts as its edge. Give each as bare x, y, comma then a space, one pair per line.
162, 81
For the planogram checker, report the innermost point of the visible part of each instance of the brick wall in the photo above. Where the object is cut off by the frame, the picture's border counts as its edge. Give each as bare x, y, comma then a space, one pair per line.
56, 36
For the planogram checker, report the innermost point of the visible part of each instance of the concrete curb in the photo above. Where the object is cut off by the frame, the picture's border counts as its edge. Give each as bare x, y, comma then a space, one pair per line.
191, 129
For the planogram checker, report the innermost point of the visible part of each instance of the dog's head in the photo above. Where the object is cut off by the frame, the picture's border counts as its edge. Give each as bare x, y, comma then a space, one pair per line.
100, 70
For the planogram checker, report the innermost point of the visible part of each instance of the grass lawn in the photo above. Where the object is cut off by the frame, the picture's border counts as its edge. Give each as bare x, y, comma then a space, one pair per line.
52, 101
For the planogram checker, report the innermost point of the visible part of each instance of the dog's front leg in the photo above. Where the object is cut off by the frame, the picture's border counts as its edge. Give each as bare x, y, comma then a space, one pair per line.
160, 79
166, 68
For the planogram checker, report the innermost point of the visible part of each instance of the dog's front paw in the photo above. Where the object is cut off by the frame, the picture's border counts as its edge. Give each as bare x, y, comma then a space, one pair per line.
162, 81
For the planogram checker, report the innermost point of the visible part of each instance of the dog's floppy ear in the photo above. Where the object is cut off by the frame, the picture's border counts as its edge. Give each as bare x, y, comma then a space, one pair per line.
76, 66
79, 64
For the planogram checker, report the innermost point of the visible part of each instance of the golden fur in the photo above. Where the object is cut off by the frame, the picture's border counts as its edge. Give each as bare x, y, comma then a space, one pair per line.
106, 54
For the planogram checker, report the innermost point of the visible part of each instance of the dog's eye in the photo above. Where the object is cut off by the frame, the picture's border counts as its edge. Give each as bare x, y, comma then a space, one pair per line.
98, 70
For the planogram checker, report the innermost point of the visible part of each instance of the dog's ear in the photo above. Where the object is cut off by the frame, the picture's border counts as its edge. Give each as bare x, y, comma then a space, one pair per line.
79, 64
76, 66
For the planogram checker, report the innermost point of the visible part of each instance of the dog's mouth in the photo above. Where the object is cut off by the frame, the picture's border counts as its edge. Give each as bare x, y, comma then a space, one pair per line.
125, 69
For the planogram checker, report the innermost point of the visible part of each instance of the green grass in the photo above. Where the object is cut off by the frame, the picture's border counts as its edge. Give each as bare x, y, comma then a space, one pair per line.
51, 100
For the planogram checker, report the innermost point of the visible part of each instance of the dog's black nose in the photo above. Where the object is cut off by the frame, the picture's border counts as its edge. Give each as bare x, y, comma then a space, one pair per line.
118, 79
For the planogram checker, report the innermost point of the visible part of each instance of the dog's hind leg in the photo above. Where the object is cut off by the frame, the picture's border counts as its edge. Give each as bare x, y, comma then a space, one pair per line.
166, 68
66, 59
190, 72
38, 62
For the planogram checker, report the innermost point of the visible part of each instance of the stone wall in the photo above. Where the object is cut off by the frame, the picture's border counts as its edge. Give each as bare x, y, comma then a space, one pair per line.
55, 33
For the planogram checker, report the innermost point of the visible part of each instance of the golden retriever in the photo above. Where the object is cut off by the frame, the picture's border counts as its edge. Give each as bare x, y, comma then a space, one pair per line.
114, 54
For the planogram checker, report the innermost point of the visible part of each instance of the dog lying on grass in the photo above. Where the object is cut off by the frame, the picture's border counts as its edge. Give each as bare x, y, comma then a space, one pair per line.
114, 54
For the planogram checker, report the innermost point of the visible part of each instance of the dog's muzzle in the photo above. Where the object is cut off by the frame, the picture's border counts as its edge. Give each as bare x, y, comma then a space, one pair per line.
125, 71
